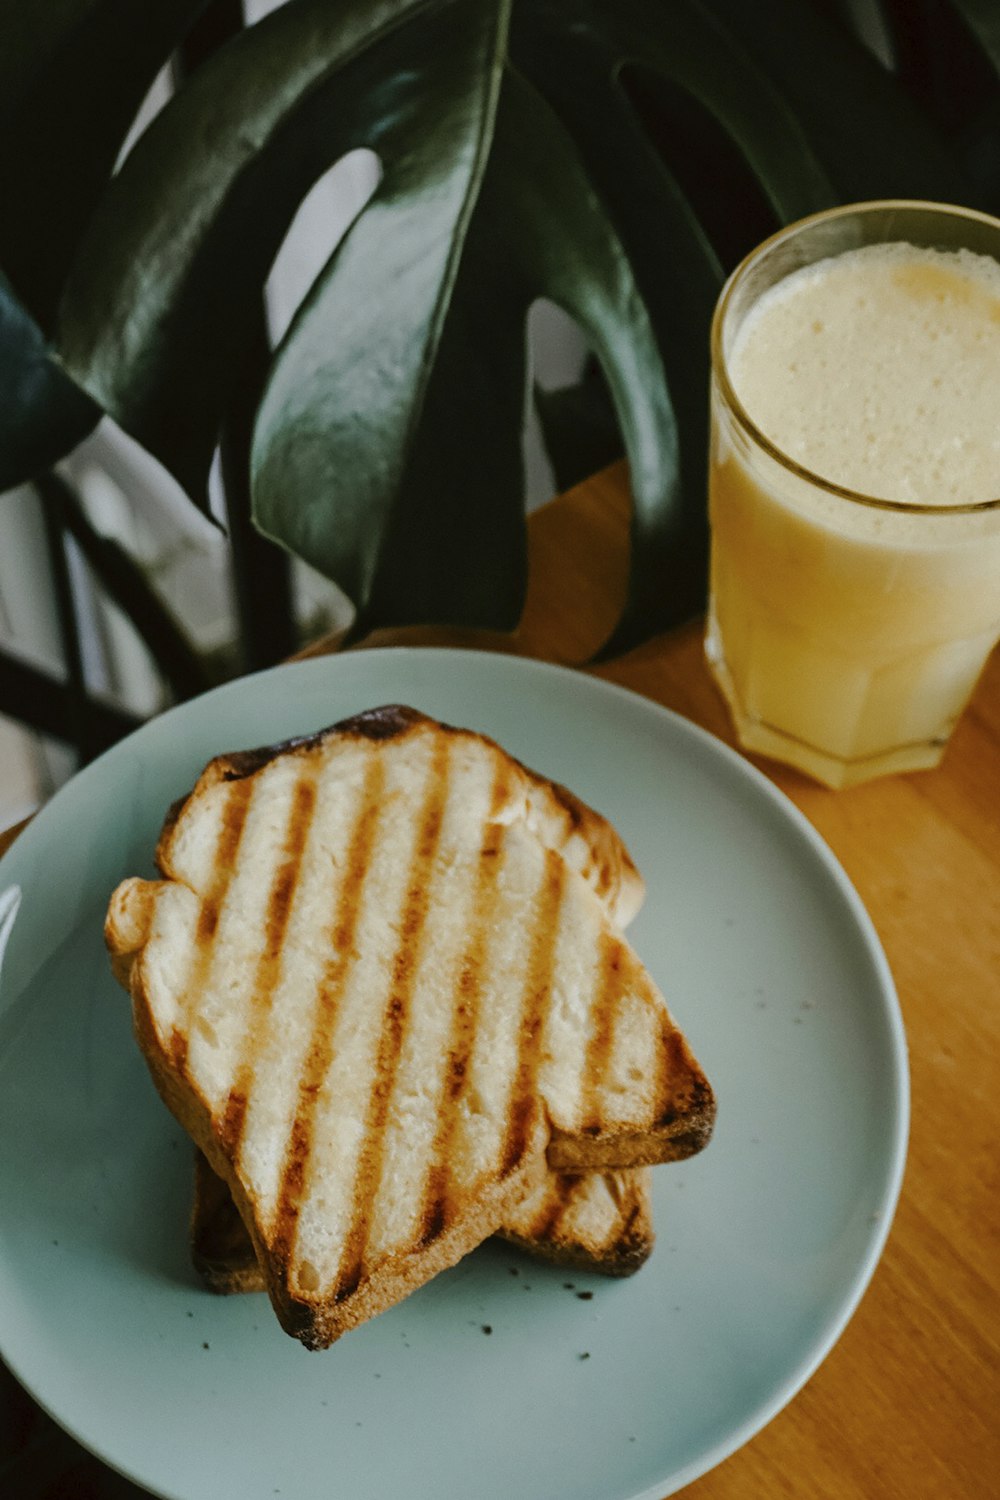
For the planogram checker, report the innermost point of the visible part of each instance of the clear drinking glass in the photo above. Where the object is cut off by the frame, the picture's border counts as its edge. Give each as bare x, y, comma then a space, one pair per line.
846, 631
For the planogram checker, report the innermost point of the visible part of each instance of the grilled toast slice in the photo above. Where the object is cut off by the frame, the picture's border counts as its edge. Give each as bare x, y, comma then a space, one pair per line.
597, 1221
376, 996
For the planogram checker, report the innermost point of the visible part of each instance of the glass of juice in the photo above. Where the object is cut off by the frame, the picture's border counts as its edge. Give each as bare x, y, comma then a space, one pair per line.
854, 491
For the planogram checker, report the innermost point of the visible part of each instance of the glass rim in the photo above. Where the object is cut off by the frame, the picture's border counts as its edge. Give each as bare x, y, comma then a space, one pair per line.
739, 411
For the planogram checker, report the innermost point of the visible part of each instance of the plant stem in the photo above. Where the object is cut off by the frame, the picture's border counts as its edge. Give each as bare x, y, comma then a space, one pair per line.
262, 575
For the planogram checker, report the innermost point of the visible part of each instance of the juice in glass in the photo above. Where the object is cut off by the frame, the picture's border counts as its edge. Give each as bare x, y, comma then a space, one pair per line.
855, 486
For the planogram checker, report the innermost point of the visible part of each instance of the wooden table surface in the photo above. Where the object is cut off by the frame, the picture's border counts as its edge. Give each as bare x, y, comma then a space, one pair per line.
907, 1406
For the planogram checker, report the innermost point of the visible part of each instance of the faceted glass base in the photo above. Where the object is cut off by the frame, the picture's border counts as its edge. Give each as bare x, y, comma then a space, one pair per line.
764, 739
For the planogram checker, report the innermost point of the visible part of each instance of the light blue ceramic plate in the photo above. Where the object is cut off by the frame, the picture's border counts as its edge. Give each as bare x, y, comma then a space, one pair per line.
765, 1242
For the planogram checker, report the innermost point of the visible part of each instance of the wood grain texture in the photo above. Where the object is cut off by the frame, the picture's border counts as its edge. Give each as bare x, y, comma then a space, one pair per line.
906, 1406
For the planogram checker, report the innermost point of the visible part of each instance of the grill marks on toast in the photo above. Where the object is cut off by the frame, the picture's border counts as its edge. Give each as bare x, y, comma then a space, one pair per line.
608, 992
598, 1221
231, 826
395, 1020
552, 1207
501, 793
279, 905
537, 992
410, 980
295, 1166
437, 1202
675, 1063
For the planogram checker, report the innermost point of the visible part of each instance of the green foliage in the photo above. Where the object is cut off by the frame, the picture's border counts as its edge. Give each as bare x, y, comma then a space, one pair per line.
616, 156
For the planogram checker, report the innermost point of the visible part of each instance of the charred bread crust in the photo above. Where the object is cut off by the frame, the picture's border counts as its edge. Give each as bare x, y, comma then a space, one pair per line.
610, 865
221, 1248
318, 1325
612, 1153
632, 1248
382, 723
223, 1255
387, 722
683, 1125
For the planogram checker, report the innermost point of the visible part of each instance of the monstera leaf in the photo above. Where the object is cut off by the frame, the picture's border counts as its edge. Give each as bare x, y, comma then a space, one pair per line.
73, 73
44, 413
612, 155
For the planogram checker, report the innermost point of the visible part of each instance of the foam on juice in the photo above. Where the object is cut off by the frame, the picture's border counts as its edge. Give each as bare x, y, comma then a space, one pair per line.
879, 370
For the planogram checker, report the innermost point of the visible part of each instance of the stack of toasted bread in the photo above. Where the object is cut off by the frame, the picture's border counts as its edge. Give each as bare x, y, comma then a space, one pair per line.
384, 987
